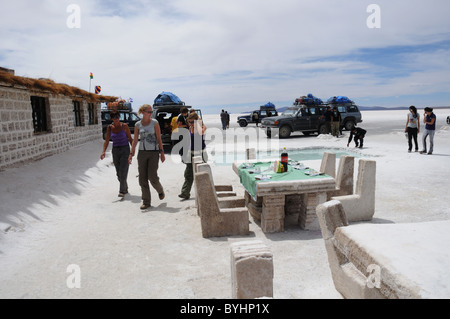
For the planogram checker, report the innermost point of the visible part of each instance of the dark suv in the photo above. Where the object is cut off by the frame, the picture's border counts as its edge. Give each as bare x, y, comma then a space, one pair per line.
263, 112
126, 116
308, 120
164, 114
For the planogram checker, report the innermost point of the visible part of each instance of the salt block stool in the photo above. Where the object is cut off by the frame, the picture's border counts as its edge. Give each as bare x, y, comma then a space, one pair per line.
251, 270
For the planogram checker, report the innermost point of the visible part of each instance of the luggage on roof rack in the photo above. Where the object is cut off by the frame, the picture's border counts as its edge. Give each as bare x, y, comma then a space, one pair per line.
308, 100
167, 98
339, 100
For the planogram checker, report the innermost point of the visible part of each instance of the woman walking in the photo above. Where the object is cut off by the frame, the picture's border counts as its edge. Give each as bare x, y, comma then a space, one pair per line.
150, 151
119, 133
412, 127
197, 147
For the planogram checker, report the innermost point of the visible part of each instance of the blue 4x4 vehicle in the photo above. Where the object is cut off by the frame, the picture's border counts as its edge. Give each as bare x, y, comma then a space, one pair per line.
309, 119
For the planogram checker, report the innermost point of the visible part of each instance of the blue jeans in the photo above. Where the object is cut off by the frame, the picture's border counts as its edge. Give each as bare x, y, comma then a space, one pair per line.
427, 133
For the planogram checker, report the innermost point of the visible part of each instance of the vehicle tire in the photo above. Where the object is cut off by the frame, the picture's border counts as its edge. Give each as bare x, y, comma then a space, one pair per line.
349, 125
243, 123
307, 133
323, 129
285, 131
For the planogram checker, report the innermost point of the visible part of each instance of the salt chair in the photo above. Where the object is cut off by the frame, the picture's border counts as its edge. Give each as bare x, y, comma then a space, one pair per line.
344, 178
328, 165
360, 206
221, 190
216, 221
225, 198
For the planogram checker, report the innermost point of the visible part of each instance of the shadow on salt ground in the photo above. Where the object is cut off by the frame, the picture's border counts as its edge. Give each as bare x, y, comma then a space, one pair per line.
26, 191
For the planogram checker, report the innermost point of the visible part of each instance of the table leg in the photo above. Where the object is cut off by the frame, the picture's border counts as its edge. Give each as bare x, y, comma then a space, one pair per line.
308, 218
272, 217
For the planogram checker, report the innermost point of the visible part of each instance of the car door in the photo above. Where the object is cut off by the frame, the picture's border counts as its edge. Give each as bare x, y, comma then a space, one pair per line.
302, 119
314, 118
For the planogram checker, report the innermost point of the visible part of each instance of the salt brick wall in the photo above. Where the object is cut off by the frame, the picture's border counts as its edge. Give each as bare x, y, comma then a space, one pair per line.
18, 142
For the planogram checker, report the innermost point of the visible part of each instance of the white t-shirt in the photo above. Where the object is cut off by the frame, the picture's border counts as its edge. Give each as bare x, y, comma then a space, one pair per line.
413, 122
147, 136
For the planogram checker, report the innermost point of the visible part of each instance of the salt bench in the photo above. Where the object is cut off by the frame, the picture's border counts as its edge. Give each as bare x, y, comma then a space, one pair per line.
251, 270
386, 260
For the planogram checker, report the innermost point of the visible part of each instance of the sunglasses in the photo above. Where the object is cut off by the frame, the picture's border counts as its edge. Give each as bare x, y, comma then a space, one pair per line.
149, 112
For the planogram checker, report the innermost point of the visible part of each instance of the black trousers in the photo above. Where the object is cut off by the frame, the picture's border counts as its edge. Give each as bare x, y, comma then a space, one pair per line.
120, 159
412, 134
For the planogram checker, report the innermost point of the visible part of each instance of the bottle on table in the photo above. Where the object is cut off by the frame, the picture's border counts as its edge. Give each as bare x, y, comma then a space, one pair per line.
284, 160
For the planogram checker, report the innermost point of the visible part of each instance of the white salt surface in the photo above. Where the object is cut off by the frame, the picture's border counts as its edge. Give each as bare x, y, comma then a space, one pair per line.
64, 211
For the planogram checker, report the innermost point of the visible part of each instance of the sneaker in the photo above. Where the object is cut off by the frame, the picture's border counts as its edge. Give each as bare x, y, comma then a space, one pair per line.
162, 195
430, 153
121, 195
184, 196
145, 206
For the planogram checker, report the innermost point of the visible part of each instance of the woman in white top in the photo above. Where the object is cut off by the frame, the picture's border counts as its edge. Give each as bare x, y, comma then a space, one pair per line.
412, 127
150, 151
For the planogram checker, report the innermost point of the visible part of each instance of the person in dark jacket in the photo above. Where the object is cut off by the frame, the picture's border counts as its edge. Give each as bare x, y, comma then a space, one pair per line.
358, 135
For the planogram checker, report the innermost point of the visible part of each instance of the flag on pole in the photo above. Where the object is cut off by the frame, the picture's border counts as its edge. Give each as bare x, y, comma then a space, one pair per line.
92, 76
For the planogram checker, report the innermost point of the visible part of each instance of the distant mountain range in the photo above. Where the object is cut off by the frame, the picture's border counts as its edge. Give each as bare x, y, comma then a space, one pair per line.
377, 108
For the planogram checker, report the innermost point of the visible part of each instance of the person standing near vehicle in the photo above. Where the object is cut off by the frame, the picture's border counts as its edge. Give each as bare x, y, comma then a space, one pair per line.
150, 151
197, 147
181, 119
335, 121
429, 119
119, 133
412, 127
327, 116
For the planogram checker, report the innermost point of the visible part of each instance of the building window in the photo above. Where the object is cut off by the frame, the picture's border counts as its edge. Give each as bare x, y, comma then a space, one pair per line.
39, 109
77, 114
92, 114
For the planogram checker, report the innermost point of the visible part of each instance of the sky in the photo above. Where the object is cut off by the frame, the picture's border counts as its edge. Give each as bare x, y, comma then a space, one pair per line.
235, 54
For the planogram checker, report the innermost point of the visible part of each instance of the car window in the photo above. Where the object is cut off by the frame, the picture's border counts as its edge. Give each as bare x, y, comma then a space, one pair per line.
342, 109
353, 108
134, 117
304, 112
290, 112
263, 113
312, 110
107, 116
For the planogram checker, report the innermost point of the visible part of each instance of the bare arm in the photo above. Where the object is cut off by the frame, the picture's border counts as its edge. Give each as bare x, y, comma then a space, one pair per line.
133, 145
128, 132
158, 138
105, 145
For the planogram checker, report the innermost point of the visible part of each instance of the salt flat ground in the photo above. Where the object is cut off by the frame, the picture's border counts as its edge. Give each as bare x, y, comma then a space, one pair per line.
63, 211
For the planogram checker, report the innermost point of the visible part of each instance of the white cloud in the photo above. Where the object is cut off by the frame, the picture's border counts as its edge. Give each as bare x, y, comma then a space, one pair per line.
225, 52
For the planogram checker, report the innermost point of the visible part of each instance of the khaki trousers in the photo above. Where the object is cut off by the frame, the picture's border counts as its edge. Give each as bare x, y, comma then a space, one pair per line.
148, 162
